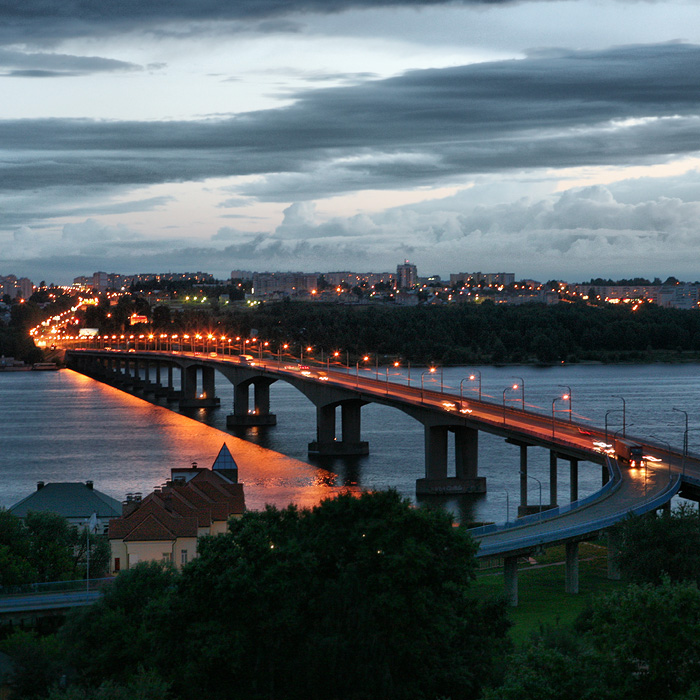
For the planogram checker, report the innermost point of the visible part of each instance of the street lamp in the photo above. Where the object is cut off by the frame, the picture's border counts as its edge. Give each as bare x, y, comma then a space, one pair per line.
607, 413
556, 398
508, 388
427, 371
685, 436
474, 375
522, 390
539, 484
624, 413
567, 396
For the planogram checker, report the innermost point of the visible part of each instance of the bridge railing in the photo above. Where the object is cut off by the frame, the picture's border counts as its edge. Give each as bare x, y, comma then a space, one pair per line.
54, 587
575, 531
612, 485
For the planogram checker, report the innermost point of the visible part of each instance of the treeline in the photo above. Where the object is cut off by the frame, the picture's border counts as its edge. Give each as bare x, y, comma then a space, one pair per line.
369, 598
483, 333
44, 547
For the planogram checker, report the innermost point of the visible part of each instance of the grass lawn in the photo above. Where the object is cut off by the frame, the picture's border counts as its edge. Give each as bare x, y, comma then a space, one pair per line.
541, 597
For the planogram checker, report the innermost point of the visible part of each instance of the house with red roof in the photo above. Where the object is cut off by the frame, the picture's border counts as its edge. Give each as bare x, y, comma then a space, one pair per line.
165, 525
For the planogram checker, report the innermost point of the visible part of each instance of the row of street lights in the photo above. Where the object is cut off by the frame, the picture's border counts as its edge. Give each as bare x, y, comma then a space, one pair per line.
206, 340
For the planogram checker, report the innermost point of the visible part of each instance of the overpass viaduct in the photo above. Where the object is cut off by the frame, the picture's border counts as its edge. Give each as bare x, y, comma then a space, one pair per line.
189, 378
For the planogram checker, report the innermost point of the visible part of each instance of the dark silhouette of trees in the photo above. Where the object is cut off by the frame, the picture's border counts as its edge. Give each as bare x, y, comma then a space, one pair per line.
361, 597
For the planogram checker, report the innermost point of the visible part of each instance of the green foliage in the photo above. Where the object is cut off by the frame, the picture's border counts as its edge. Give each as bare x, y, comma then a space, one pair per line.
470, 333
358, 598
36, 664
544, 670
45, 547
647, 640
145, 685
113, 637
653, 546
50, 542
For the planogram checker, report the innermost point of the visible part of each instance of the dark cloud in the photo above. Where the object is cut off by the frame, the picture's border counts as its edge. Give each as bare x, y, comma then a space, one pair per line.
53, 65
55, 19
622, 106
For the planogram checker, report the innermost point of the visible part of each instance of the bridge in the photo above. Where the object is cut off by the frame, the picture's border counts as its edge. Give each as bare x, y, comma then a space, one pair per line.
189, 378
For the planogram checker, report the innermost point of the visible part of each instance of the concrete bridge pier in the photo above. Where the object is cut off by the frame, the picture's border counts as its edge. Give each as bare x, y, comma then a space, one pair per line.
172, 393
573, 479
350, 444
466, 479
127, 376
241, 417
207, 397
150, 386
159, 388
527, 509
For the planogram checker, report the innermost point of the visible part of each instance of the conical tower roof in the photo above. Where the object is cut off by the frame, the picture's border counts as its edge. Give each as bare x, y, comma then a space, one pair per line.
224, 460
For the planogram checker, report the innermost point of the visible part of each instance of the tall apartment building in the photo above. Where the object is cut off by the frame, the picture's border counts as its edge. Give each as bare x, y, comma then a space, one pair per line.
406, 275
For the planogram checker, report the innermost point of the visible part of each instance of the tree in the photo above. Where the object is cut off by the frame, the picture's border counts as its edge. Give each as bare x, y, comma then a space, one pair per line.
15, 568
358, 598
542, 670
36, 664
652, 546
51, 541
647, 640
362, 598
116, 636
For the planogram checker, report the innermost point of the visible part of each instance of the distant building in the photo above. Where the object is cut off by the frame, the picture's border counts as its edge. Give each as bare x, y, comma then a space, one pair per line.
25, 288
243, 275
485, 279
406, 275
165, 525
266, 284
100, 282
75, 501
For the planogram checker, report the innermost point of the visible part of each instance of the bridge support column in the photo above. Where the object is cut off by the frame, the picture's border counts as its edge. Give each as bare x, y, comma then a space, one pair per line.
159, 390
510, 574
523, 478
127, 378
261, 416
572, 567
573, 479
436, 480
524, 508
351, 431
189, 398
552, 479
173, 393
137, 375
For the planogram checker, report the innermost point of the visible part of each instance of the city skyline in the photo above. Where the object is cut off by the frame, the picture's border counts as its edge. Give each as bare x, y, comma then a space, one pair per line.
558, 138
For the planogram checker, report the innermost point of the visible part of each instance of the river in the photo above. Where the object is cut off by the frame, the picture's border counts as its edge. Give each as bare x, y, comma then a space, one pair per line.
61, 426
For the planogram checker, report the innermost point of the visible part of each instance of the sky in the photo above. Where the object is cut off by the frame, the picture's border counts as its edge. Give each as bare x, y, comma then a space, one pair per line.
554, 140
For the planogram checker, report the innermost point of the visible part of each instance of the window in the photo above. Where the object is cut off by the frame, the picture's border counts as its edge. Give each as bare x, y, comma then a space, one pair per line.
183, 557
166, 556
117, 564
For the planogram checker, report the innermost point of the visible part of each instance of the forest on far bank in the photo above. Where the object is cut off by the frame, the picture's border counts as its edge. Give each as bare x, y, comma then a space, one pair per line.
450, 334
479, 333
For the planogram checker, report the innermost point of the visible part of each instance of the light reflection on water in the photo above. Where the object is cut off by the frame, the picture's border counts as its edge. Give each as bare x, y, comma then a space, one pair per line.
61, 426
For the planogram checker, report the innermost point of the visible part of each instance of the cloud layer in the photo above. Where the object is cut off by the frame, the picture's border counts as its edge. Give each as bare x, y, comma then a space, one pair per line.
560, 110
